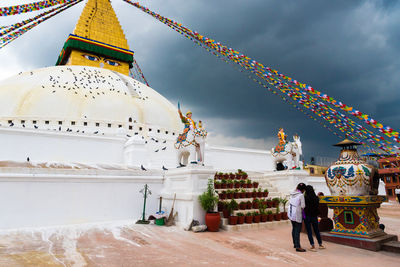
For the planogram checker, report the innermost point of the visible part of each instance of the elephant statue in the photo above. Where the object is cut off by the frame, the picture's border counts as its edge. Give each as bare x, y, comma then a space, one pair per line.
190, 147
288, 154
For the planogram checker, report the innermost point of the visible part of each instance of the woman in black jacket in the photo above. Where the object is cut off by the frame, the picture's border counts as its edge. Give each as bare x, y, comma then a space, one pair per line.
311, 212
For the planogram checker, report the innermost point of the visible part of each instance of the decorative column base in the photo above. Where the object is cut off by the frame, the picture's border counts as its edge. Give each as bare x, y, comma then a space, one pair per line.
356, 221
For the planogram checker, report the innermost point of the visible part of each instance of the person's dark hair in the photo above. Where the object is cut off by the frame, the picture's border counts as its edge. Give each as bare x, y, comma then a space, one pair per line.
310, 192
301, 187
320, 194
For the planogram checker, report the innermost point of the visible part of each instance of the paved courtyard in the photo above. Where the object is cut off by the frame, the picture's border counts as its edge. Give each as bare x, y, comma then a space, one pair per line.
128, 244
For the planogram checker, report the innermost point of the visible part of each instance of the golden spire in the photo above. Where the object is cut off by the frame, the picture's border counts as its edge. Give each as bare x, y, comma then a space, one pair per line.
99, 22
98, 40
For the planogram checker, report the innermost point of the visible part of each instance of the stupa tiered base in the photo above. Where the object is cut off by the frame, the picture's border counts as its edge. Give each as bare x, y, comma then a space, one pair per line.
356, 221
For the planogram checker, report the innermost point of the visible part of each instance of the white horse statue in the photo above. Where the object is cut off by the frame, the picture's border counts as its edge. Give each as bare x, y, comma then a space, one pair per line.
289, 156
190, 148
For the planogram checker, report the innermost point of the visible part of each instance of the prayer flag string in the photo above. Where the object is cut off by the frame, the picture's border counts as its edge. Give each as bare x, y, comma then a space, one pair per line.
20, 9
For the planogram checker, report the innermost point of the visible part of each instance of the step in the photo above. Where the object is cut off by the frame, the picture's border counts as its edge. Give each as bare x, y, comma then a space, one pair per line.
391, 246
255, 226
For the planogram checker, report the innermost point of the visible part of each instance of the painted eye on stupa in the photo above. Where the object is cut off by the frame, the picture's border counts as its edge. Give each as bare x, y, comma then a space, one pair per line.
112, 63
90, 57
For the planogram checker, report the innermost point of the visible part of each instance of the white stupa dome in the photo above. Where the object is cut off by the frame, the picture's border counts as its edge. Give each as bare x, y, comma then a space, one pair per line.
80, 96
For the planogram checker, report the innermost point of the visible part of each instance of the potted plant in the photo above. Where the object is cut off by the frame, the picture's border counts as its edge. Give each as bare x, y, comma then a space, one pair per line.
222, 194
237, 183
270, 216
249, 194
256, 217
223, 184
255, 184
263, 214
242, 193
208, 201
229, 183
221, 205
269, 203
275, 202
242, 183
236, 193
277, 215
249, 217
254, 193
249, 184
225, 176
240, 218
249, 205
244, 175
232, 176
256, 203
229, 194
284, 201
243, 205
260, 193
266, 192
233, 205
217, 185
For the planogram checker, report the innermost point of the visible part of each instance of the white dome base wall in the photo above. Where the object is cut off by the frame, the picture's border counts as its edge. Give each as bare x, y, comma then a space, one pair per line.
31, 197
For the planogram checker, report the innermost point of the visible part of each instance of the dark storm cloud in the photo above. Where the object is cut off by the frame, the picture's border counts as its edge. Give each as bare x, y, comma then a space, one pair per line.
347, 49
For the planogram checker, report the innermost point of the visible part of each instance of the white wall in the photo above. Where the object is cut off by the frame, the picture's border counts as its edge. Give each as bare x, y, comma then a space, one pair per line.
45, 146
33, 200
232, 158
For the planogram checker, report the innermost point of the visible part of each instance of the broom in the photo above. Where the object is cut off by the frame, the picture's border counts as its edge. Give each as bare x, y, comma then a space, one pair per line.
171, 217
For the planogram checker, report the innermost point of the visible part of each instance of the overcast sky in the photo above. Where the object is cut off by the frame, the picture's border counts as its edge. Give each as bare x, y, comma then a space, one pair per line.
347, 49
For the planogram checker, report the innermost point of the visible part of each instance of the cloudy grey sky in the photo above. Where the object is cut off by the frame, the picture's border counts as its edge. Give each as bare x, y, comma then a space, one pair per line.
347, 49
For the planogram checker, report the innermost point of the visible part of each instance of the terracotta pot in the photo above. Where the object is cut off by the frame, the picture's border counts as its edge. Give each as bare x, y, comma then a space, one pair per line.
253, 194
217, 186
225, 213
249, 194
233, 220
256, 218
220, 206
248, 219
249, 206
236, 195
255, 205
242, 205
277, 216
226, 176
237, 185
270, 217
249, 185
255, 184
284, 216
222, 196
230, 186
260, 194
232, 176
265, 194
240, 220
269, 204
229, 195
212, 221
223, 186
245, 176
263, 218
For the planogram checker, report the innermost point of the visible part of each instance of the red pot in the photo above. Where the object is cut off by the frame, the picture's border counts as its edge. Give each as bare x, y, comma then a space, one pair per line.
236, 195
270, 217
277, 216
242, 194
256, 218
223, 186
232, 176
222, 196
220, 206
263, 218
245, 176
255, 205
230, 186
260, 194
248, 219
255, 184
240, 220
217, 186
212, 221
249, 206
254, 194
243, 205
284, 216
266, 194
249, 185
233, 220
237, 185
229, 195
269, 204
226, 176
249, 194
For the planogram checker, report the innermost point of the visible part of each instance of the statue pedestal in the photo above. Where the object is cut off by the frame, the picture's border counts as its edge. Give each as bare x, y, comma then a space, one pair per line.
356, 221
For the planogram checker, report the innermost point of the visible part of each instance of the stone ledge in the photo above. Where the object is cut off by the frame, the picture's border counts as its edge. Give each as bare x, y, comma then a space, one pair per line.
254, 226
373, 244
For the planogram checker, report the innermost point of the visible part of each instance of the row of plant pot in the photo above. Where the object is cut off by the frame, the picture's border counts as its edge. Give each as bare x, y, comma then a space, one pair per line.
235, 194
246, 205
256, 217
239, 175
224, 184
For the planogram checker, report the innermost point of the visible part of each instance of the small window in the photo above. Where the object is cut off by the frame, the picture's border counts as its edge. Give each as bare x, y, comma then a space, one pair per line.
140, 128
46, 122
34, 122
130, 120
72, 123
97, 124
9, 121
166, 132
85, 123
109, 125
119, 126
158, 131
173, 133
130, 127
149, 129
22, 121
59, 122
